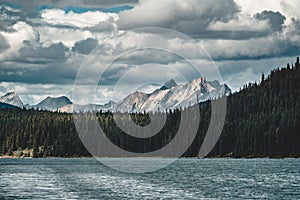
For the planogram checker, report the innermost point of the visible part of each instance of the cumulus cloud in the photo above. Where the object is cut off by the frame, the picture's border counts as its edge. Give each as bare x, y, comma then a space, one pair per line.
276, 19
241, 23
202, 19
85, 46
30, 7
291, 8
9, 17
39, 54
81, 20
68, 37
192, 16
104, 26
15, 39
3, 44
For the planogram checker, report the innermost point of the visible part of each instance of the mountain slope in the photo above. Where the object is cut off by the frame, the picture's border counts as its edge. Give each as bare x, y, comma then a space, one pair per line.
53, 104
133, 102
12, 98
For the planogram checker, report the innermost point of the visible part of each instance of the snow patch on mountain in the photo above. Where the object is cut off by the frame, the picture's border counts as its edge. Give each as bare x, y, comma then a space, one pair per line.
12, 98
133, 102
70, 108
53, 104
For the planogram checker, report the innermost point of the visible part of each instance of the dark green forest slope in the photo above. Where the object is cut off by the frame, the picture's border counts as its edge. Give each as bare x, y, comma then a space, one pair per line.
263, 120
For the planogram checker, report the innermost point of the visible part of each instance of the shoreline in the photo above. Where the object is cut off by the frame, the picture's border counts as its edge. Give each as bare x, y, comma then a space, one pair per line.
84, 157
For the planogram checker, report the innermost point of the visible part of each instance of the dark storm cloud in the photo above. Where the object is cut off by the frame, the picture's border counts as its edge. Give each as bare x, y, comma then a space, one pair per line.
85, 46
276, 19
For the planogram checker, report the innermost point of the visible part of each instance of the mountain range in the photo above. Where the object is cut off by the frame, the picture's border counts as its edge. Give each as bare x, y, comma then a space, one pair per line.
167, 97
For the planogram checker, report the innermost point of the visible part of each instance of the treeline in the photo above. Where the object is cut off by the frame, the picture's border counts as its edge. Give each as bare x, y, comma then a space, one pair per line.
263, 120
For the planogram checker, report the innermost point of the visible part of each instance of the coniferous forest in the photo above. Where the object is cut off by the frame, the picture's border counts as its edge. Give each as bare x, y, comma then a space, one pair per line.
262, 120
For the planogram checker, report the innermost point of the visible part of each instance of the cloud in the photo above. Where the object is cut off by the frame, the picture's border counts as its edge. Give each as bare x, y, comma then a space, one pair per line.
15, 39
241, 23
3, 44
81, 20
104, 26
256, 6
291, 8
41, 73
274, 44
9, 17
67, 36
241, 49
191, 17
202, 19
55, 53
144, 56
85, 46
276, 19
31, 8
270, 46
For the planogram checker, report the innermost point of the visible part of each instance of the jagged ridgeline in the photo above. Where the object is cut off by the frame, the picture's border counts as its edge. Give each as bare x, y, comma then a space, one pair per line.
263, 119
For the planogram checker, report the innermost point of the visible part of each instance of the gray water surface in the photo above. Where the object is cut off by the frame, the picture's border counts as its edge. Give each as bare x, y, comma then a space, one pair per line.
87, 178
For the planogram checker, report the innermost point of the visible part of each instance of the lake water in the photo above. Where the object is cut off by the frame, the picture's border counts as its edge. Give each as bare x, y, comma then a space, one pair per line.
87, 178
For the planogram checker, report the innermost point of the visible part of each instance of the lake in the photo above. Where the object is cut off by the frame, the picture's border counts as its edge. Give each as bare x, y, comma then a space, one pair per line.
87, 178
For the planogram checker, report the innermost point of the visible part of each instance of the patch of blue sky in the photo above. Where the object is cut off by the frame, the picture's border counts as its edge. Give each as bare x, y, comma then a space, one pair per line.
14, 6
44, 7
80, 10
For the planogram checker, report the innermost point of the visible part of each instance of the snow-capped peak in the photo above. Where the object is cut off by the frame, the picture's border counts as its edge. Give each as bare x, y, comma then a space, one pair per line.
12, 98
172, 96
51, 103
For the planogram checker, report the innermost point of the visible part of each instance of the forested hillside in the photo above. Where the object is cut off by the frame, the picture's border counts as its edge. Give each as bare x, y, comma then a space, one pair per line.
263, 120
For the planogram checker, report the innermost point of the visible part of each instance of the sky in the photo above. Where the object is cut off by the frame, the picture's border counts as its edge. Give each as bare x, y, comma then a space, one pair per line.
47, 46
